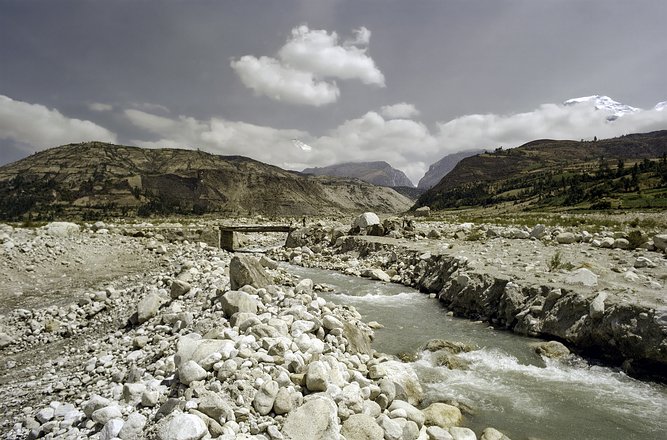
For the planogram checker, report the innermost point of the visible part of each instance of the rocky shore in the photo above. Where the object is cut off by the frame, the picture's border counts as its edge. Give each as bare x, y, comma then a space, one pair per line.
596, 292
191, 342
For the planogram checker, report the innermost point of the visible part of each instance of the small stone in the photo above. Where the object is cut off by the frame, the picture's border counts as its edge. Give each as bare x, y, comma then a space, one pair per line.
462, 433
582, 276
134, 427
437, 433
493, 434
179, 288
265, 397
361, 427
442, 415
179, 426
643, 262
317, 376
596, 309
552, 349
315, 419
566, 238
111, 429
45, 414
190, 372
103, 415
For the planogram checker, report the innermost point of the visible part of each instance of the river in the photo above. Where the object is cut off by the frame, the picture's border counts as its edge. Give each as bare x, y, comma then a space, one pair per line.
506, 384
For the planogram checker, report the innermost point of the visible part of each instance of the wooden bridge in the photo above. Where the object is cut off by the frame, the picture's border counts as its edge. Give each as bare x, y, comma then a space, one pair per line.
228, 240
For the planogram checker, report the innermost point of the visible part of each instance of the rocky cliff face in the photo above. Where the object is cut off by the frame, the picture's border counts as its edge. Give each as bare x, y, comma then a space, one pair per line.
377, 173
440, 169
107, 178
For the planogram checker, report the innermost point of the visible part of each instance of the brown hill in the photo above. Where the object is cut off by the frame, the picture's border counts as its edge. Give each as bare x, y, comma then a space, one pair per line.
93, 179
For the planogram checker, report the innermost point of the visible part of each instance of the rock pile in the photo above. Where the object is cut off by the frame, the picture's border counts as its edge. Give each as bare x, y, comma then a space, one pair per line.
212, 347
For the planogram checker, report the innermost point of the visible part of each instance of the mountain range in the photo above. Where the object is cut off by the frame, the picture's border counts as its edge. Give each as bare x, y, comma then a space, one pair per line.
378, 173
95, 178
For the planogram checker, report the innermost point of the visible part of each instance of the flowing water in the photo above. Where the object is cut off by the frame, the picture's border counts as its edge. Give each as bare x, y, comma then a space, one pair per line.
506, 384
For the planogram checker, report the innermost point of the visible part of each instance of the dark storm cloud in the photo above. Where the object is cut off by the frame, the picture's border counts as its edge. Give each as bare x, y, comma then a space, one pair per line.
469, 73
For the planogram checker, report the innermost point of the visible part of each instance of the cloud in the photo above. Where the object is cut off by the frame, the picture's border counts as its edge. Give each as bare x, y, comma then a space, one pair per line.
406, 144
554, 121
100, 107
399, 111
318, 51
267, 76
36, 126
219, 136
300, 73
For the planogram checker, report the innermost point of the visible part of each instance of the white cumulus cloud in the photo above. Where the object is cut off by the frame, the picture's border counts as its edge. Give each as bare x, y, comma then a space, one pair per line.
303, 70
100, 107
318, 51
401, 110
219, 136
36, 126
267, 76
552, 121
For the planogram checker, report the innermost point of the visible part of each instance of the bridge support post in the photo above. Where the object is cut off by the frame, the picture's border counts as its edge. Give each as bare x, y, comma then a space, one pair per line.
228, 240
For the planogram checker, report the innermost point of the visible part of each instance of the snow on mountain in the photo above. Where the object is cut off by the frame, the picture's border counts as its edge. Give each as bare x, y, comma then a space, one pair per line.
661, 106
604, 103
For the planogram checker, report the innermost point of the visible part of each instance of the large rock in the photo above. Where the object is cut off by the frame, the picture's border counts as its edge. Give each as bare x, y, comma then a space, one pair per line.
247, 271
438, 433
552, 349
149, 306
462, 433
317, 376
317, 419
134, 427
443, 415
178, 288
359, 340
596, 309
566, 238
411, 412
61, 229
407, 383
582, 276
216, 407
236, 301
493, 434
366, 220
660, 241
192, 347
376, 274
179, 426
265, 397
362, 427
111, 429
190, 372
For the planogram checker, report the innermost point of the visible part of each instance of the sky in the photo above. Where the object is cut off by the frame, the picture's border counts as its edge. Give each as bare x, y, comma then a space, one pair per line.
301, 83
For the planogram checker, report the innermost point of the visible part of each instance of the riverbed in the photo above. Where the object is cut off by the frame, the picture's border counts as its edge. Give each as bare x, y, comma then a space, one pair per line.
505, 384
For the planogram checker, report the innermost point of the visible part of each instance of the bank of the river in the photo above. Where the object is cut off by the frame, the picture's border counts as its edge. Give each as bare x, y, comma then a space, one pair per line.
502, 381
583, 289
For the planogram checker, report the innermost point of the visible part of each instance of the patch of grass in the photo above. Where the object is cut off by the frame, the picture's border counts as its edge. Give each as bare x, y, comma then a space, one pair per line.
636, 239
557, 263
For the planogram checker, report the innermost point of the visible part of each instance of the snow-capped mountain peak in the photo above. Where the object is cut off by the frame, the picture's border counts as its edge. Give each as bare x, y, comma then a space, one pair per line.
604, 103
661, 106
